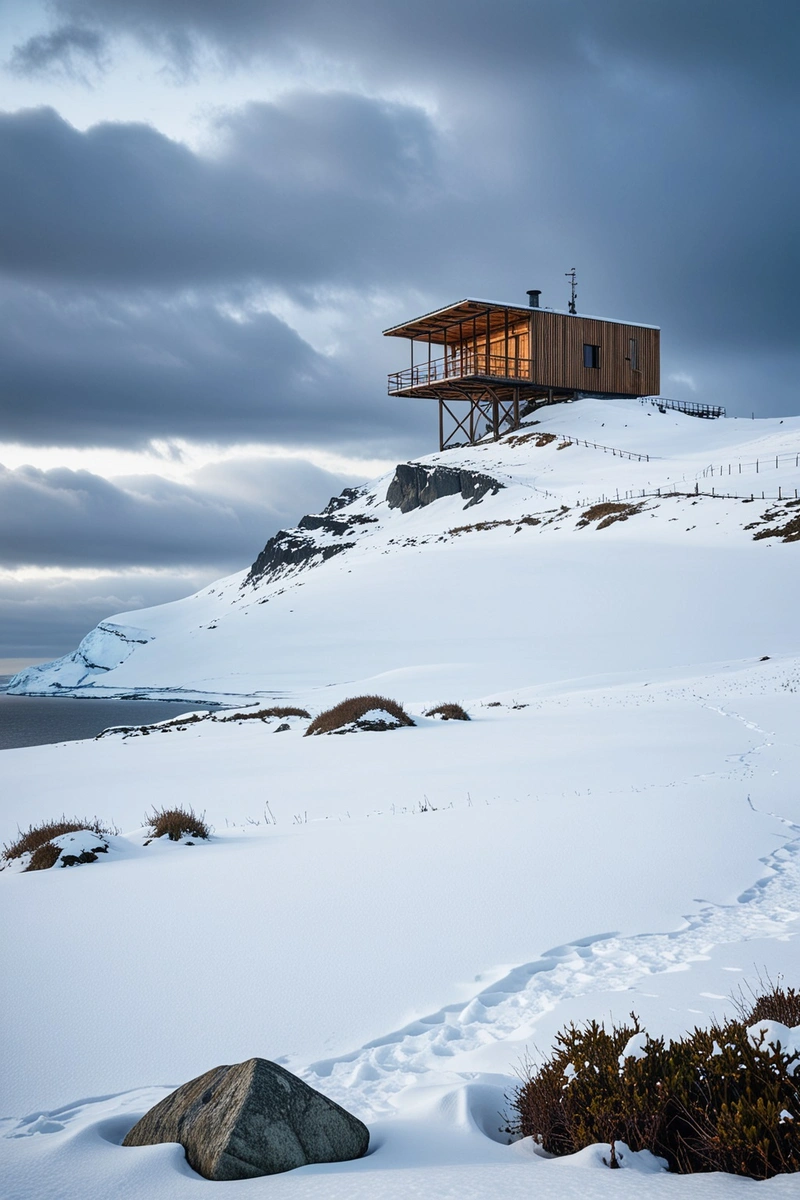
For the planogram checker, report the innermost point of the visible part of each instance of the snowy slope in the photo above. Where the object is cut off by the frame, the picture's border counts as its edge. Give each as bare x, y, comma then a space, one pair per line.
529, 588
401, 917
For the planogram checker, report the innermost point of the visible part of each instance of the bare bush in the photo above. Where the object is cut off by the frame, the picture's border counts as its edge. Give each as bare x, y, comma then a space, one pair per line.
448, 712
350, 711
771, 1002
38, 835
176, 823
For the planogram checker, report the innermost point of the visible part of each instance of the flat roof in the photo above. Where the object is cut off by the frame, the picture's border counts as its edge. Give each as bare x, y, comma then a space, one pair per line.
434, 323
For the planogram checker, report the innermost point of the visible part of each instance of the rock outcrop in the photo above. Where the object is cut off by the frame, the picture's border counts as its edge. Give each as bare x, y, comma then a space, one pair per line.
291, 548
298, 547
415, 486
251, 1119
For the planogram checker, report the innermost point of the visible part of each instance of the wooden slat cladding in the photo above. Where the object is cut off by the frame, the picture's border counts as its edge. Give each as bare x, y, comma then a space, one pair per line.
558, 357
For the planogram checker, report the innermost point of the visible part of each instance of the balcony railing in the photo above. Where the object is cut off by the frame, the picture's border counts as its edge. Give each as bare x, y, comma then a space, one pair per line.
461, 365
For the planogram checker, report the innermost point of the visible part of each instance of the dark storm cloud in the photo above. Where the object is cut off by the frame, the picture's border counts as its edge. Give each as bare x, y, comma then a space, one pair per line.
310, 190
67, 49
90, 368
650, 145
69, 518
416, 38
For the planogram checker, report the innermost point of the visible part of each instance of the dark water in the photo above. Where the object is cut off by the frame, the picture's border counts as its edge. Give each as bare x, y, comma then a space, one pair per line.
39, 720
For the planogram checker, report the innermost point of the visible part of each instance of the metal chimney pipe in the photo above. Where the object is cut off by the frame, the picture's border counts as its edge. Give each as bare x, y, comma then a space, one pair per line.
533, 297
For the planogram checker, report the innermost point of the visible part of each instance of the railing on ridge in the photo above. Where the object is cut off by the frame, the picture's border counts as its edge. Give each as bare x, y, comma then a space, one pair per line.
692, 408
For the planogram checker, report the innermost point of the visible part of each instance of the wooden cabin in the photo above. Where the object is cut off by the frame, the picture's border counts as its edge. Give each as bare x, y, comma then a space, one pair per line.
487, 364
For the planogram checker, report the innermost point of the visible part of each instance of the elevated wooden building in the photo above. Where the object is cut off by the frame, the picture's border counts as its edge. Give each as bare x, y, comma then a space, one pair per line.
488, 363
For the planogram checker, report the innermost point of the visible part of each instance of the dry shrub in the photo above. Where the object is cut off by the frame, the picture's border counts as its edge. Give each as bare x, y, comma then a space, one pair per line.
175, 823
711, 1101
283, 711
771, 1002
38, 835
353, 710
544, 439
606, 514
264, 714
44, 857
481, 526
448, 712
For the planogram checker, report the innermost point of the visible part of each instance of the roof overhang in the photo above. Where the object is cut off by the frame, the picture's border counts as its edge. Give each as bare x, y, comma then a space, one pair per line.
434, 324
464, 312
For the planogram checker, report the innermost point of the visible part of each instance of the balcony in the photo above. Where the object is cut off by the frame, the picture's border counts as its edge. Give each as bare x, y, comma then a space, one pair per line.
462, 364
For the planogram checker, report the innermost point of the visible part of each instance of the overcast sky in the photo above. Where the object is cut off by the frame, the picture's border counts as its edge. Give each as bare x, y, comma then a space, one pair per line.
209, 212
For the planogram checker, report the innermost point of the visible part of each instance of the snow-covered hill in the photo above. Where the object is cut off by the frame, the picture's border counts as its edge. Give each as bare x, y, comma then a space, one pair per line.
504, 583
400, 917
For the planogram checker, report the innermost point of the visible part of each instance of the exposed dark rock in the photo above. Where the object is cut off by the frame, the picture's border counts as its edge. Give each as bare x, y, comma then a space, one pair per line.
330, 525
347, 496
251, 1119
290, 548
415, 486
296, 547
86, 856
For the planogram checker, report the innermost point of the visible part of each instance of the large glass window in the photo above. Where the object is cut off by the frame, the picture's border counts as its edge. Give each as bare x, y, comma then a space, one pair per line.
591, 355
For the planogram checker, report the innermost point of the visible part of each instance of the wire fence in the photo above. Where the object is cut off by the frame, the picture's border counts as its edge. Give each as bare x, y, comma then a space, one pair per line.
782, 494
771, 462
614, 450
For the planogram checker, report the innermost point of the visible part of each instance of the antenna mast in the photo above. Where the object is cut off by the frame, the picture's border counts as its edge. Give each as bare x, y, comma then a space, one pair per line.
570, 275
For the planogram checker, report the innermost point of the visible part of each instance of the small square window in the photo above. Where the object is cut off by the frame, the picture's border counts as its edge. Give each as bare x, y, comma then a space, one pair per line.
591, 355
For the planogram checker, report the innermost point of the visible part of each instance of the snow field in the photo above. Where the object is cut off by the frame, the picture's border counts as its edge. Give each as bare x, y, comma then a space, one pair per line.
617, 827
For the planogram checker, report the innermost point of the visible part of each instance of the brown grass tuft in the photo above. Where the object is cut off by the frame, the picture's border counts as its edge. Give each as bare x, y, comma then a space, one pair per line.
448, 712
175, 822
44, 857
264, 714
354, 709
606, 514
39, 835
